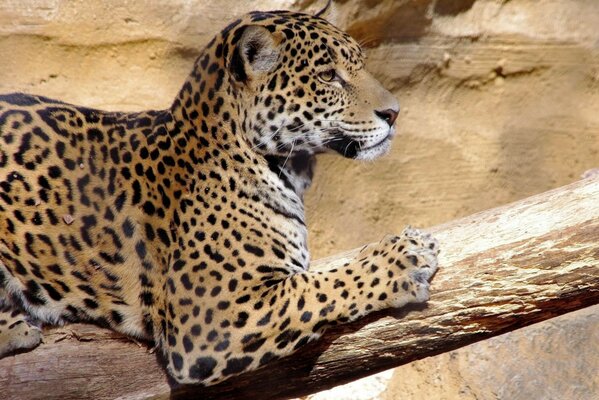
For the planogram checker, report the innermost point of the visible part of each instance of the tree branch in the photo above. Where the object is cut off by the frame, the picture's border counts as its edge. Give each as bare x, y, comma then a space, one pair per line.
501, 269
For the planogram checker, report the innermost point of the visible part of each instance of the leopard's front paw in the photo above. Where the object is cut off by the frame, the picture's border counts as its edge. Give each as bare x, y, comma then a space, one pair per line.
418, 255
407, 262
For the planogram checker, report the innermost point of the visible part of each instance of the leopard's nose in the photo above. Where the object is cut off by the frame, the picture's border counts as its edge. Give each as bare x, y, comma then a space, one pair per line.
388, 115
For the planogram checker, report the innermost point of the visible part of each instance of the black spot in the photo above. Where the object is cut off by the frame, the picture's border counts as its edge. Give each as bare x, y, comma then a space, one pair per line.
120, 201
147, 298
413, 259
54, 172
163, 237
149, 208
55, 268
212, 219
257, 251
128, 228
53, 293
213, 254
186, 282
33, 293
222, 346
301, 303
200, 291
187, 344
95, 135
136, 193
140, 248
208, 317
212, 335
178, 265
254, 345
177, 360
90, 303
302, 342
278, 253
265, 320
117, 317
306, 316
196, 330
203, 368
232, 285
320, 325
87, 289
268, 357
237, 365
223, 305
243, 299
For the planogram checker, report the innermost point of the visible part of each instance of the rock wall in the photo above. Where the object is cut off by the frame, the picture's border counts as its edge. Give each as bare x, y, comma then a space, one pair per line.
554, 360
499, 101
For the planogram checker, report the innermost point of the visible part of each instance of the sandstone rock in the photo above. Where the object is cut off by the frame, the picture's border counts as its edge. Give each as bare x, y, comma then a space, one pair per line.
557, 359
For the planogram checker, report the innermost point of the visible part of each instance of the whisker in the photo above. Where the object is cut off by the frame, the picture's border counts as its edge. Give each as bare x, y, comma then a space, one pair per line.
286, 159
368, 40
346, 147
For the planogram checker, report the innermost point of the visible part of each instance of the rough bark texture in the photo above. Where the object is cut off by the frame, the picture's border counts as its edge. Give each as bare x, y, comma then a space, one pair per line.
501, 269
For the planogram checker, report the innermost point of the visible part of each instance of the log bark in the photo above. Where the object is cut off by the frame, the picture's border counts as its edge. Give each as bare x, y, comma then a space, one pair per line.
501, 269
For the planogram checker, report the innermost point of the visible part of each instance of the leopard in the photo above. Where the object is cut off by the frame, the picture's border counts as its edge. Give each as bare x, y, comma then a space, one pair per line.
185, 227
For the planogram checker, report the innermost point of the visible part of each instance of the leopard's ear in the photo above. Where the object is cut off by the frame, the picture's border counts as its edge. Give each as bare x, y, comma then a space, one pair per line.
325, 10
255, 54
329, 13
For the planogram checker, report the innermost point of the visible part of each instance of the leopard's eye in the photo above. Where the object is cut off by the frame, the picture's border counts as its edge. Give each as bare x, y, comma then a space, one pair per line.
328, 75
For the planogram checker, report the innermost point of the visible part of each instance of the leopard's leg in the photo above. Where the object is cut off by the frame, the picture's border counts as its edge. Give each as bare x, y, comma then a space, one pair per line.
16, 332
271, 319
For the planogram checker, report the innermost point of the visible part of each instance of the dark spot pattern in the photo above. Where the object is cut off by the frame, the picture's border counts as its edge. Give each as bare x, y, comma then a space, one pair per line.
185, 226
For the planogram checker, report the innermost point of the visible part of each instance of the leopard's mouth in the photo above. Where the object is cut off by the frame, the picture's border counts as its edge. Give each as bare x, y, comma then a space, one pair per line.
379, 143
344, 145
351, 148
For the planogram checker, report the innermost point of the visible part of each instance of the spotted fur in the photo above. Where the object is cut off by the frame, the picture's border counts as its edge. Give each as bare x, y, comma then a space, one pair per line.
185, 226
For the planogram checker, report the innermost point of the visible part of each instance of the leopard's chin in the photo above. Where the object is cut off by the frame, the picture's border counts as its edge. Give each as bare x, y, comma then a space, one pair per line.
375, 151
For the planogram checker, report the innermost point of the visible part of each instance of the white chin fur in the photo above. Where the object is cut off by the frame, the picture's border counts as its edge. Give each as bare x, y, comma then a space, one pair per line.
374, 152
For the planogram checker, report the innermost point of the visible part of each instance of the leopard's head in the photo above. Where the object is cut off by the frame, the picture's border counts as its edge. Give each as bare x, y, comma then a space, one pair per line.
302, 86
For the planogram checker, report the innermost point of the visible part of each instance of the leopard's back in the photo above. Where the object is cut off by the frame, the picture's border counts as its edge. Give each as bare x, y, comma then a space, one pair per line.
70, 192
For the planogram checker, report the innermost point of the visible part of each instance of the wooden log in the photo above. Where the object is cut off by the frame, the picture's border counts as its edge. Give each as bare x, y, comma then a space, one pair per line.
501, 269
